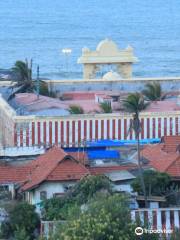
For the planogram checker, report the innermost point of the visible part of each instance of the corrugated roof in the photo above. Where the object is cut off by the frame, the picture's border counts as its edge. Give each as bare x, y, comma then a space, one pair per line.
119, 175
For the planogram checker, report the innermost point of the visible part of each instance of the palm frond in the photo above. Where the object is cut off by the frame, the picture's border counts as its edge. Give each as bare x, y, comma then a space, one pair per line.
153, 92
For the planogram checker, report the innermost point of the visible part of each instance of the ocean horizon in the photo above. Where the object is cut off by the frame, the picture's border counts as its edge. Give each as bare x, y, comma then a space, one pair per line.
40, 29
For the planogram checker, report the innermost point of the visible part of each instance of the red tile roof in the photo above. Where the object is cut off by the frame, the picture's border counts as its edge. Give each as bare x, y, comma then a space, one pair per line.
54, 165
164, 157
171, 143
80, 156
68, 170
11, 174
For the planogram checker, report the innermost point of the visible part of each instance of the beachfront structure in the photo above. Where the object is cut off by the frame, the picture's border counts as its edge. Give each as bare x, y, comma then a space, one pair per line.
107, 52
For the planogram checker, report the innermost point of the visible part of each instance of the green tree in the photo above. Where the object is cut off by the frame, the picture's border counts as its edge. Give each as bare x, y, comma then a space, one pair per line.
106, 107
63, 208
106, 217
20, 234
74, 109
134, 104
153, 92
23, 219
25, 82
89, 186
156, 183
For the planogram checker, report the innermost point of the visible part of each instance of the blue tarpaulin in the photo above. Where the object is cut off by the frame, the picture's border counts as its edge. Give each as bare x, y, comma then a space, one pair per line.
111, 143
107, 154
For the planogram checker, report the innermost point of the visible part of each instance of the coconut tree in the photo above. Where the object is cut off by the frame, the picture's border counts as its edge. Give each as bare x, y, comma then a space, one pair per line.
25, 82
134, 104
153, 92
75, 109
106, 107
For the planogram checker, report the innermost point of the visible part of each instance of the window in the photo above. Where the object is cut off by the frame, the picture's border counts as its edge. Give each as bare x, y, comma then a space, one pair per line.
43, 195
67, 187
57, 195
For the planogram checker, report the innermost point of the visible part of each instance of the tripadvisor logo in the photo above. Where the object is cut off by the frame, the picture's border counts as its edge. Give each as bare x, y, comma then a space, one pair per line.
139, 231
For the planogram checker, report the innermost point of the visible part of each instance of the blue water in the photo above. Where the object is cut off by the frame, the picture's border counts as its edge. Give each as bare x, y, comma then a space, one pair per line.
40, 29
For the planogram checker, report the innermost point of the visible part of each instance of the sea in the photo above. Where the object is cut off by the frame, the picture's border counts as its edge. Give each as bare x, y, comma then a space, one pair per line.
41, 29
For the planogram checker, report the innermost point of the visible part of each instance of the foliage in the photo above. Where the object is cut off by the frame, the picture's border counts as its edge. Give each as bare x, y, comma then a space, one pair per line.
74, 109
65, 207
106, 217
106, 107
156, 183
20, 234
175, 235
134, 103
43, 88
5, 230
23, 70
100, 221
88, 186
59, 208
25, 83
153, 92
23, 218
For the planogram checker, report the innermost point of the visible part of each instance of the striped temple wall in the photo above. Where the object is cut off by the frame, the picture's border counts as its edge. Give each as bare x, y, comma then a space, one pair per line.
75, 130
158, 219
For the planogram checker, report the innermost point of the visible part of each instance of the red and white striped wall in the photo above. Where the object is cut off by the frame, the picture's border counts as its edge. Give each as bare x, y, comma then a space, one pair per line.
73, 130
158, 219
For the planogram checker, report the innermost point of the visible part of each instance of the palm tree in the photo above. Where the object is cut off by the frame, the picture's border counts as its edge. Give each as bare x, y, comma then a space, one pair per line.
153, 92
106, 107
25, 83
74, 109
134, 104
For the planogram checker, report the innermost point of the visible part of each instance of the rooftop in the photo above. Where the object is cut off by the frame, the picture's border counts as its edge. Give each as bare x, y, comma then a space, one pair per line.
29, 104
164, 157
54, 165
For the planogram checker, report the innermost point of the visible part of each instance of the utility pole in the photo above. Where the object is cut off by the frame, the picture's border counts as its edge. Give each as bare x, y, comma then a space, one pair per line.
38, 82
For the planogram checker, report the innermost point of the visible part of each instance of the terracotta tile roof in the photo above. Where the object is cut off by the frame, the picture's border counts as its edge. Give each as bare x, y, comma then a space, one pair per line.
80, 156
161, 160
68, 170
55, 164
171, 143
106, 169
11, 174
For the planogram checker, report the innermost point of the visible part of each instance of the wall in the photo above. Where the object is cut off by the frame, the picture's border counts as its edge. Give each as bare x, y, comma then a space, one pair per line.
74, 129
6, 123
162, 218
127, 85
49, 187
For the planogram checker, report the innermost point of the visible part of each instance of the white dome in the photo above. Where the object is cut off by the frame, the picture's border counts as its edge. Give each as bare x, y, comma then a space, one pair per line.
111, 76
108, 47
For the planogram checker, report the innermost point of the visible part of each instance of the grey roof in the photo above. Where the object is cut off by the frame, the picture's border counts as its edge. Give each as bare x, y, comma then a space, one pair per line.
51, 112
119, 175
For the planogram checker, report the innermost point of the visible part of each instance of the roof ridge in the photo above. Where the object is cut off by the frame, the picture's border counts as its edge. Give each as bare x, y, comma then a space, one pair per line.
56, 163
172, 163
